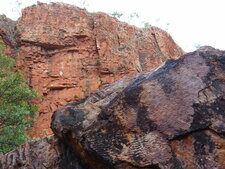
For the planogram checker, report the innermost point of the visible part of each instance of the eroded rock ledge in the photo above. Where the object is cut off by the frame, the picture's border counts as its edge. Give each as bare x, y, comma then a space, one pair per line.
170, 118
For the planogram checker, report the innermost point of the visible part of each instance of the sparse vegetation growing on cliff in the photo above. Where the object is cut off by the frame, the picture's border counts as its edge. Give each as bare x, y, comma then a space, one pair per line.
98, 61
147, 25
16, 112
116, 14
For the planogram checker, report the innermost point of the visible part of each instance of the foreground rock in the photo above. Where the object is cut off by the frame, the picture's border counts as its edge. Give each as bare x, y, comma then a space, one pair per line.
173, 117
46, 153
66, 53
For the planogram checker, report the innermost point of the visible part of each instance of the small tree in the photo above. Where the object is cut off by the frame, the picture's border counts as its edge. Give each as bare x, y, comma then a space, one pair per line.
16, 111
116, 14
147, 25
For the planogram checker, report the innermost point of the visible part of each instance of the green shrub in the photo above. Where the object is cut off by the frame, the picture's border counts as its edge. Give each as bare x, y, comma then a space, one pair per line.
98, 61
16, 111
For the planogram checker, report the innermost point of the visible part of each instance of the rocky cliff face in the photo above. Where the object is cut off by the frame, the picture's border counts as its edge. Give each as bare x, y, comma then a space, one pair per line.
170, 118
66, 53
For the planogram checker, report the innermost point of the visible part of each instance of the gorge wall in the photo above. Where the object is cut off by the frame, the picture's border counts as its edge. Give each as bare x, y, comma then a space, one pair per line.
67, 53
170, 118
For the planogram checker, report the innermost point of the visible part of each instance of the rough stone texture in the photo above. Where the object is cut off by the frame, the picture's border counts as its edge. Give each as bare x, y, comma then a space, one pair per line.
47, 153
66, 53
8, 31
171, 118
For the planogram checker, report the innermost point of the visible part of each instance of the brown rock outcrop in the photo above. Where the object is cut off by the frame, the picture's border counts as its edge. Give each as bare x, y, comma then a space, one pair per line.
173, 117
66, 53
48, 152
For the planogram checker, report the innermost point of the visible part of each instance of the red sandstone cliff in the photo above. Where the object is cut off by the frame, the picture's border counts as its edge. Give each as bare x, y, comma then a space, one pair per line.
66, 53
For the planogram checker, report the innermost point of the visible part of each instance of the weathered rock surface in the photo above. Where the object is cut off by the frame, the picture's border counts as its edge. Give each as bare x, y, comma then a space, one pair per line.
8, 31
46, 153
170, 118
173, 117
67, 53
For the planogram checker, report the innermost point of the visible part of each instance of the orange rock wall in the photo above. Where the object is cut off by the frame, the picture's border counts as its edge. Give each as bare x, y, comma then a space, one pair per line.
66, 53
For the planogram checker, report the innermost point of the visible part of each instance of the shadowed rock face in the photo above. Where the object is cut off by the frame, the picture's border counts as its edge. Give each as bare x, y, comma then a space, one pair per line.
66, 53
48, 152
173, 117
8, 31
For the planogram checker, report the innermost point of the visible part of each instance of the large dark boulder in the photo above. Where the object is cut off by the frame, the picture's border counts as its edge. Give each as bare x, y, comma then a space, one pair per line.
172, 117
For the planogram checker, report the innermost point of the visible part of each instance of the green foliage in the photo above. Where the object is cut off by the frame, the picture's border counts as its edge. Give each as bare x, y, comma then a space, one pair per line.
134, 15
16, 112
116, 14
98, 61
147, 25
